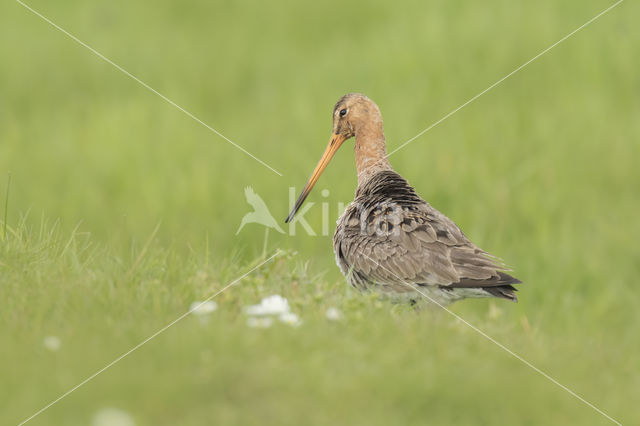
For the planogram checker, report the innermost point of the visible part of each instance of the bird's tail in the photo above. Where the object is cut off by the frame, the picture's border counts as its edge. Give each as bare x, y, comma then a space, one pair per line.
503, 292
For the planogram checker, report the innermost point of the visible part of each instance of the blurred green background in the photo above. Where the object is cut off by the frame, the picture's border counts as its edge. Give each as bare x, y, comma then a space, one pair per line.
541, 171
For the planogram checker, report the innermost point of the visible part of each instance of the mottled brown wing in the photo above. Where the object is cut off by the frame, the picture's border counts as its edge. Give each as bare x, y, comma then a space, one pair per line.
390, 236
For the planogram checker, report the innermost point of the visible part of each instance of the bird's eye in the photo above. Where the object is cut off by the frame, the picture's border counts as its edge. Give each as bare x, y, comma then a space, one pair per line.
343, 112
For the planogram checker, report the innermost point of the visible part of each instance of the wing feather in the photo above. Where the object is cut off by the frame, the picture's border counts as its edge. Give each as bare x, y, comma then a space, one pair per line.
390, 236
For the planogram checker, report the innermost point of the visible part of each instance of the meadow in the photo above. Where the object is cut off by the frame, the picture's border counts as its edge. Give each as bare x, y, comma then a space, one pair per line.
121, 210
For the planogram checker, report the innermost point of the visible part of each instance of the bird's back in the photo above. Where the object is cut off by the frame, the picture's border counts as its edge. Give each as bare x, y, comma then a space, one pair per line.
392, 239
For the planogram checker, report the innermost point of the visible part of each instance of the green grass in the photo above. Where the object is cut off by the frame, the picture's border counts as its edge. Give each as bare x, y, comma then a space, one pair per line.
123, 211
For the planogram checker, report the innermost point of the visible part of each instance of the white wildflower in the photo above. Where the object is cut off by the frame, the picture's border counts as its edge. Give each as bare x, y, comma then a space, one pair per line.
52, 343
333, 314
290, 318
112, 417
272, 305
203, 308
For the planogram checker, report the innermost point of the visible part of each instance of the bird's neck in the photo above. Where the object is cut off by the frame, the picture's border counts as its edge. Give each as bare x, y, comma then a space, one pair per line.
371, 151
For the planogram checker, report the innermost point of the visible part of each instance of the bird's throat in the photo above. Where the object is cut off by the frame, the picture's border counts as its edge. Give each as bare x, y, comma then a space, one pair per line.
370, 152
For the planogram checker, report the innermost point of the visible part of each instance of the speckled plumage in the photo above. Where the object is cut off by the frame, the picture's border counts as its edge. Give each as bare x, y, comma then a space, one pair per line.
389, 237
391, 240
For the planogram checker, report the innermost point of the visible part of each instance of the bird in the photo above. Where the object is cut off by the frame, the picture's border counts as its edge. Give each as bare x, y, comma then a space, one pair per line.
391, 241
261, 213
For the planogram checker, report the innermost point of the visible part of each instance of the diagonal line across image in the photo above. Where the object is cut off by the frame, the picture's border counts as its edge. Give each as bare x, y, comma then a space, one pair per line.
503, 347
494, 341
422, 132
145, 85
145, 341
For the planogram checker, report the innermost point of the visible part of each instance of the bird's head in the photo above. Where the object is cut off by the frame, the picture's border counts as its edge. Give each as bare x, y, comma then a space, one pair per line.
353, 113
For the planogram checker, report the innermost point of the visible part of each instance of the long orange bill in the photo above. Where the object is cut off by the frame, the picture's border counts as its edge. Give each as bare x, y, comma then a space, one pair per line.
334, 144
